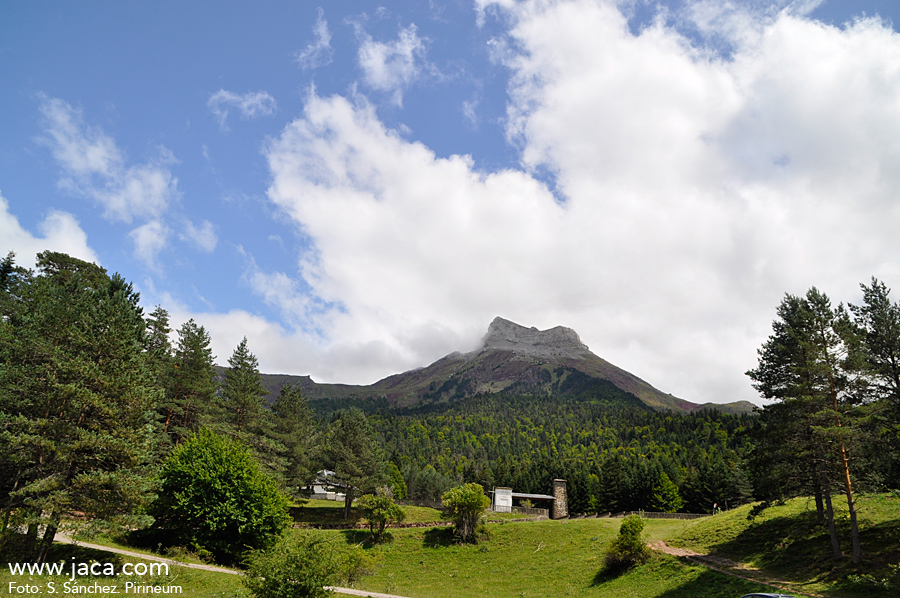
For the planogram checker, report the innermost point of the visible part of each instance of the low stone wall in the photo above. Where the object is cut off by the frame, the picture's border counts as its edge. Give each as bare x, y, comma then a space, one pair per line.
434, 504
654, 515
531, 511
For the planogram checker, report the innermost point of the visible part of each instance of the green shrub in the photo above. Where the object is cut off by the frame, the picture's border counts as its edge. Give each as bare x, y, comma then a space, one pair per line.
301, 564
465, 505
628, 548
379, 511
213, 496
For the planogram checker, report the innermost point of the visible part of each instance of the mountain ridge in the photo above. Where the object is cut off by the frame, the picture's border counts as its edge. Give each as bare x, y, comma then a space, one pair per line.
511, 358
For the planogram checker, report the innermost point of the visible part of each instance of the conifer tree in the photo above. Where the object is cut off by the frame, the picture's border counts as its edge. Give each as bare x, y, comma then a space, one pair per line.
76, 398
813, 364
352, 452
295, 430
193, 385
878, 320
242, 391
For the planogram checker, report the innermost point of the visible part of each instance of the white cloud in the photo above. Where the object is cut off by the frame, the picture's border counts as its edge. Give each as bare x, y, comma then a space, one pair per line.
149, 239
61, 232
204, 236
695, 190
392, 67
94, 167
319, 52
250, 105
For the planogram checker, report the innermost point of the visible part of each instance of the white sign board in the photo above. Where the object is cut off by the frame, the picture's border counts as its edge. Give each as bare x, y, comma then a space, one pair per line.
503, 499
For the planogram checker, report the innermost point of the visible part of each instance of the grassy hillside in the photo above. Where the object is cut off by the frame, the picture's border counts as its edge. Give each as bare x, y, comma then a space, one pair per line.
785, 542
780, 543
545, 558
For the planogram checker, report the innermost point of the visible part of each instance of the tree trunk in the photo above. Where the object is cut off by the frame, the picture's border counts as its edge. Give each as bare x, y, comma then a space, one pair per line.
817, 492
49, 535
836, 553
9, 503
845, 465
348, 503
31, 540
851, 506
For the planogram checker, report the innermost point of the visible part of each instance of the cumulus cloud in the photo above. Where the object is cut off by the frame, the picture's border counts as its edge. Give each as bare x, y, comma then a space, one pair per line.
203, 237
149, 239
693, 189
392, 67
60, 232
94, 167
250, 105
319, 52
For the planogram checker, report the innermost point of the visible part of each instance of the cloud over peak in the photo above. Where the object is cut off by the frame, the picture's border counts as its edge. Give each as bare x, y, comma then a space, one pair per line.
697, 189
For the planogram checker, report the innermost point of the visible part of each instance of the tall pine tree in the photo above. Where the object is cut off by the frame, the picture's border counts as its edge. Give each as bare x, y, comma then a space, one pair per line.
76, 399
191, 393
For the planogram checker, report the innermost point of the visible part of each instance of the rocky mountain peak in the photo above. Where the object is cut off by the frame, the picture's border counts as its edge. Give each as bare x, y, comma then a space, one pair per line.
554, 342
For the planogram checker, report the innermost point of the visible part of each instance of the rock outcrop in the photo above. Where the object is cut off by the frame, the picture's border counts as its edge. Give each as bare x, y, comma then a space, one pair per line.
555, 342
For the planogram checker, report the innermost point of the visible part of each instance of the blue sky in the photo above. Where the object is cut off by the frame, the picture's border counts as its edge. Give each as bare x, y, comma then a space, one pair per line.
360, 187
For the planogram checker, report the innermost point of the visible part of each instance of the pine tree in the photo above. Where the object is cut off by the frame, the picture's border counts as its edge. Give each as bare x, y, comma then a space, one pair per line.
352, 452
76, 398
242, 391
878, 321
295, 430
192, 390
813, 364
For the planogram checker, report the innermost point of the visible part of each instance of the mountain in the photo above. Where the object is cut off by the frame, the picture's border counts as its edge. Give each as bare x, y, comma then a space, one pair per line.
511, 358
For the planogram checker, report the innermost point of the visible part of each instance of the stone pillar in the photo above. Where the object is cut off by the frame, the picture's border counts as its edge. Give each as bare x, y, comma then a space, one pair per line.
561, 502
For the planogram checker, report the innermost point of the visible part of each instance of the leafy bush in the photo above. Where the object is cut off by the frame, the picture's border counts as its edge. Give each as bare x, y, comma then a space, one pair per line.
301, 565
214, 496
465, 505
379, 511
629, 547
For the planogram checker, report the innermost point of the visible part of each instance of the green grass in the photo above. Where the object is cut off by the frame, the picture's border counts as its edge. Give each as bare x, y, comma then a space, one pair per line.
564, 558
194, 583
533, 559
785, 541
315, 512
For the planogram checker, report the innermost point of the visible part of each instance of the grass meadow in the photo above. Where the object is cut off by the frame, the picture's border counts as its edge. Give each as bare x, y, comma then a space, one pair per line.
539, 559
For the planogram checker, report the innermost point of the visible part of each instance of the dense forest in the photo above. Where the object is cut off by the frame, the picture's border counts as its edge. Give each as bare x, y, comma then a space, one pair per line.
95, 394
614, 454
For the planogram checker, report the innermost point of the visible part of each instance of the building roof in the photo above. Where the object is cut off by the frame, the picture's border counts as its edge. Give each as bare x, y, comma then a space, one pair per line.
535, 496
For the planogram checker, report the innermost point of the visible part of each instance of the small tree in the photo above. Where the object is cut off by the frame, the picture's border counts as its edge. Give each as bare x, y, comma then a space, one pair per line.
379, 510
629, 547
665, 495
294, 429
465, 505
353, 453
398, 484
213, 494
243, 391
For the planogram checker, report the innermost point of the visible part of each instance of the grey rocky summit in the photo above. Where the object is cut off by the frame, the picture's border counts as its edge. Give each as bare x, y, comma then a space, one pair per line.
554, 342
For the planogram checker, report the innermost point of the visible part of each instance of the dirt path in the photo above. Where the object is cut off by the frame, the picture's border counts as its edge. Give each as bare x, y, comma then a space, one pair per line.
152, 557
140, 555
729, 567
